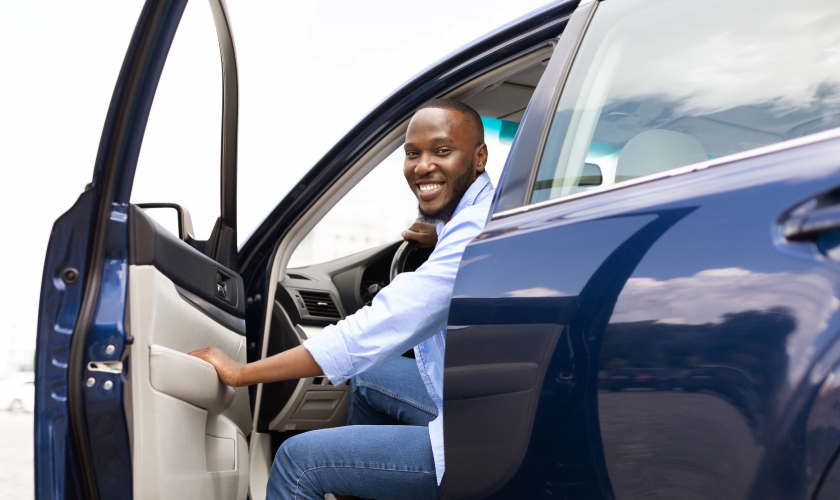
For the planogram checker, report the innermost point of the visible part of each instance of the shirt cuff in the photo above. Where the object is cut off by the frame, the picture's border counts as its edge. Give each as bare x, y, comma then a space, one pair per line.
331, 354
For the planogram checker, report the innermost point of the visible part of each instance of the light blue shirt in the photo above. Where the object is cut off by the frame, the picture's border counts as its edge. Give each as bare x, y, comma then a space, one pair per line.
410, 312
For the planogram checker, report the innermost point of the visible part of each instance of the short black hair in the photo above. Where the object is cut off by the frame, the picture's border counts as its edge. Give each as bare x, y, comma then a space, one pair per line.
471, 115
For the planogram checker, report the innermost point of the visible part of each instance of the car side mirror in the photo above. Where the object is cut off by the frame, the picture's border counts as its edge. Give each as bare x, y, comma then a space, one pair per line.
173, 217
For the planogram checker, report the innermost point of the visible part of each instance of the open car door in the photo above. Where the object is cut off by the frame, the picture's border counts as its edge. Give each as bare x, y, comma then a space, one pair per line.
122, 411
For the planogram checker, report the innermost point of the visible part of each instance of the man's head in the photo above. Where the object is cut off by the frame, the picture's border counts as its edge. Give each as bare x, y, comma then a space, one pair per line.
444, 154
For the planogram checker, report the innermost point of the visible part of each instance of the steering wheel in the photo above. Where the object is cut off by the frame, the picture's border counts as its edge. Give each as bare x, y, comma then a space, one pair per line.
398, 263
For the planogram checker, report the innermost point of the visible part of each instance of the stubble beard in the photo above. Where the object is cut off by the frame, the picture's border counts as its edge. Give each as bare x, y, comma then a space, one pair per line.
446, 212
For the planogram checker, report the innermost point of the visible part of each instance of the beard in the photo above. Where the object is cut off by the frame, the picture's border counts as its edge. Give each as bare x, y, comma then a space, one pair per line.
445, 212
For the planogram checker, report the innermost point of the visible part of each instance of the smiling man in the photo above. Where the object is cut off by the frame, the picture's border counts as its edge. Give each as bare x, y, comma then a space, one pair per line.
445, 156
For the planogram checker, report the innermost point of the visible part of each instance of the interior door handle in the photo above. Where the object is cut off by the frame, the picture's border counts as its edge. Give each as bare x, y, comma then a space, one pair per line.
189, 379
809, 226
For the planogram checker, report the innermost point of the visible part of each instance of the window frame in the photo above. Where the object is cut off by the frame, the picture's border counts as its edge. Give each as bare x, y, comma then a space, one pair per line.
571, 47
515, 187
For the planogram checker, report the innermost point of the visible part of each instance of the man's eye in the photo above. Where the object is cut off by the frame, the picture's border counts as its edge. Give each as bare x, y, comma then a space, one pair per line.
442, 151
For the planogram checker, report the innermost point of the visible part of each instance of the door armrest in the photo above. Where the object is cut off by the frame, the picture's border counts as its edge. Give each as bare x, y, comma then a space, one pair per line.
189, 379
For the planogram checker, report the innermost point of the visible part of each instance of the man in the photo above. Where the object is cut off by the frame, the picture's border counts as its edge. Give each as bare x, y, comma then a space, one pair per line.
445, 157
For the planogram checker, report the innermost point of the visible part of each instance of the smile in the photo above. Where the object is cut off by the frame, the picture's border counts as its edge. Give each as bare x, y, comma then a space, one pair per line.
424, 188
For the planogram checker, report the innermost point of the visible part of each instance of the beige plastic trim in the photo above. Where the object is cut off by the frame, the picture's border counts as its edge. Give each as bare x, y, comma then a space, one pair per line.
170, 456
293, 416
502, 73
189, 379
261, 459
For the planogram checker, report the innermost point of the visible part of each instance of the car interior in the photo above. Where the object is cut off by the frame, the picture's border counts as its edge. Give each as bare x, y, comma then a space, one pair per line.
308, 298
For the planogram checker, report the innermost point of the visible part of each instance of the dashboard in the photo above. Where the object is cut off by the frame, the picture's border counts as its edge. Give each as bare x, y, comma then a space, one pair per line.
308, 299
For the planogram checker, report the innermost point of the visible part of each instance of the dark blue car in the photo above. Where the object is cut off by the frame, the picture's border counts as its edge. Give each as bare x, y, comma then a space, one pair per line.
667, 225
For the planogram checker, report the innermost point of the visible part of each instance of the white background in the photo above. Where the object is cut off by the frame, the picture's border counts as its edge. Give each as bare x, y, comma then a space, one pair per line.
309, 71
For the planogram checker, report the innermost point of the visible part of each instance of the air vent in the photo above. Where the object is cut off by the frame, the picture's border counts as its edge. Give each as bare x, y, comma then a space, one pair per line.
298, 277
319, 304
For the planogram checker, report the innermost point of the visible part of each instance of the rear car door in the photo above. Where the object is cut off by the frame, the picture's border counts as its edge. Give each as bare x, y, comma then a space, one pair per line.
122, 411
652, 309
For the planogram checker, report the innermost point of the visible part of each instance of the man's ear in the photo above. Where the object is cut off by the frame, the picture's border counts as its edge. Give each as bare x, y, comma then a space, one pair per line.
481, 158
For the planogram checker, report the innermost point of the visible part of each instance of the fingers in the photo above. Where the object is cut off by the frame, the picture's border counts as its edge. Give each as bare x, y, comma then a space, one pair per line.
422, 227
425, 239
212, 355
226, 367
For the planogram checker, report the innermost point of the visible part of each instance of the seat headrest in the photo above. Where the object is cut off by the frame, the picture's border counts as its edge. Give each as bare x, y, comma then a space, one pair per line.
657, 150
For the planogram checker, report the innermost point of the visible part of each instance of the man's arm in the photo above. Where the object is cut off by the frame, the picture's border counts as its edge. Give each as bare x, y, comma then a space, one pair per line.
297, 362
398, 319
291, 364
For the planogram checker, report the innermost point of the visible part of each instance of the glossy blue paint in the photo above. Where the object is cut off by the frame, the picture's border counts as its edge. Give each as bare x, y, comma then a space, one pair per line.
822, 432
105, 416
59, 308
686, 285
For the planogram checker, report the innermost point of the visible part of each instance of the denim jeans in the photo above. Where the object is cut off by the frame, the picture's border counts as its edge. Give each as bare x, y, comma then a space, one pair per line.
367, 458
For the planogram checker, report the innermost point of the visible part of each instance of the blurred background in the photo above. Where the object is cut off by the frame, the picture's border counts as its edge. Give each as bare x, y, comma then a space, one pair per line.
308, 72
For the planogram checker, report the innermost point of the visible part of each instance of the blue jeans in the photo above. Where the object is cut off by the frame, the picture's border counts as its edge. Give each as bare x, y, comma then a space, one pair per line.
366, 458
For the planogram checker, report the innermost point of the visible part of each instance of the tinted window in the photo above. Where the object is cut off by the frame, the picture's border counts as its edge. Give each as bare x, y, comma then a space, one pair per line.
660, 85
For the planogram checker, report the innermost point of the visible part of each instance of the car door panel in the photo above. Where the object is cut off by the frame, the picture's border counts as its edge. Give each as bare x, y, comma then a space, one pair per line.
189, 379
177, 450
188, 428
60, 302
701, 292
87, 390
497, 281
188, 268
105, 367
740, 341
492, 384
822, 433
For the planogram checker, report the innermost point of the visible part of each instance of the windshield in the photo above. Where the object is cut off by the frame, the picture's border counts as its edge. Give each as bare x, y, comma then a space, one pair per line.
660, 85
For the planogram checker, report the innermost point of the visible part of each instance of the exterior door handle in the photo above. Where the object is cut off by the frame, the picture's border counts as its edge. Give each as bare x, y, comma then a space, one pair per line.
810, 225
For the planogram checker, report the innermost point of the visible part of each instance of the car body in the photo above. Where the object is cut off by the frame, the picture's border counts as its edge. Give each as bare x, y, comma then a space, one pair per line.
661, 379
643, 236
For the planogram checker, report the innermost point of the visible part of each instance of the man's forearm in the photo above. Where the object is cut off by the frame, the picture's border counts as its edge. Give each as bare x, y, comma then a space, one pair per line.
291, 364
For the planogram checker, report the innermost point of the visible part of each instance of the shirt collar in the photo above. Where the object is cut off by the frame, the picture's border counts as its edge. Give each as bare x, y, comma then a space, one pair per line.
469, 197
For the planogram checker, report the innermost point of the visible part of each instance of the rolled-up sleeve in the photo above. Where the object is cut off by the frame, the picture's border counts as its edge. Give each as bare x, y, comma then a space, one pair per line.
413, 308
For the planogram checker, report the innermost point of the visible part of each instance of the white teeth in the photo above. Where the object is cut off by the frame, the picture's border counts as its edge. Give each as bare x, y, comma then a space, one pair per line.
429, 187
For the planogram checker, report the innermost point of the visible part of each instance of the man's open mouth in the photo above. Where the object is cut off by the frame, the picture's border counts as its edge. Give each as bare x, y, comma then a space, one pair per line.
429, 187
429, 191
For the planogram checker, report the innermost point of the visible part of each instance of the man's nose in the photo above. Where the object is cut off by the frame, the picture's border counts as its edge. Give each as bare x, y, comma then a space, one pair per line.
425, 165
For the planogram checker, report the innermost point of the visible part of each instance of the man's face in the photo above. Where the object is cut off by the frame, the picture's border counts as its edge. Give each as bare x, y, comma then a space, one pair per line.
443, 157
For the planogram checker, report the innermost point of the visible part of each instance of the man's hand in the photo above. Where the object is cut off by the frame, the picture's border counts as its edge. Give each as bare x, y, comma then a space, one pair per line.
229, 369
291, 364
425, 234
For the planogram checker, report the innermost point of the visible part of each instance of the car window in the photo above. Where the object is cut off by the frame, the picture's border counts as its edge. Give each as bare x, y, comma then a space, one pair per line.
660, 85
380, 207
374, 212
179, 160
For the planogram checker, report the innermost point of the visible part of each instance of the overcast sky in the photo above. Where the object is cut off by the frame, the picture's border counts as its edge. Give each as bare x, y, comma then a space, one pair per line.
308, 70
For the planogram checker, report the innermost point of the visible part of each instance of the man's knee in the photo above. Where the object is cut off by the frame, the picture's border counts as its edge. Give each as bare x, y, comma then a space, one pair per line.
288, 463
